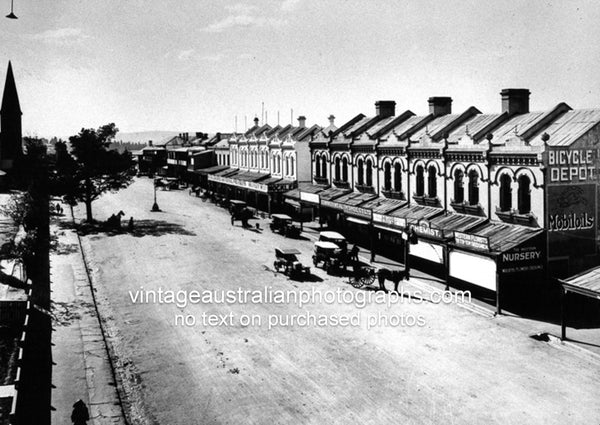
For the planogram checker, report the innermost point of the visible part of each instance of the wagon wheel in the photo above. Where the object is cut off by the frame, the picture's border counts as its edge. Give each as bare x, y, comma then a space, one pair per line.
356, 282
368, 277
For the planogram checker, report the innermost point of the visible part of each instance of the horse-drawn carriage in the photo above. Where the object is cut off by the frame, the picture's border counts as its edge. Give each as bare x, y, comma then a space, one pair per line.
166, 183
286, 261
283, 225
331, 250
240, 211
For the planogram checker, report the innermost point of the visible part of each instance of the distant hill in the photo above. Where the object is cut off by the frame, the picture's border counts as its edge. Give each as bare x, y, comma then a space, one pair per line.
144, 136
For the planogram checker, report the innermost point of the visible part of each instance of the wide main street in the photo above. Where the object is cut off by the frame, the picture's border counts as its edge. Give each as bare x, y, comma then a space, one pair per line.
435, 363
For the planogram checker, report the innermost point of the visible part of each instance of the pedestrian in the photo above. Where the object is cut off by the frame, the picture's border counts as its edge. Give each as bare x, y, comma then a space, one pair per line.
130, 225
80, 414
354, 253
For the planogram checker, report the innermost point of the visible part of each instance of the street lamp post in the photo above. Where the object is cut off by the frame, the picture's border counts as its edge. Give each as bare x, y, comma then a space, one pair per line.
155, 207
11, 15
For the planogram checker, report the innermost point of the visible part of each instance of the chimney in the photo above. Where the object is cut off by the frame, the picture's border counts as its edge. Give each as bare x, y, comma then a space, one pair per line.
385, 108
256, 121
302, 121
515, 101
150, 143
198, 135
440, 105
331, 119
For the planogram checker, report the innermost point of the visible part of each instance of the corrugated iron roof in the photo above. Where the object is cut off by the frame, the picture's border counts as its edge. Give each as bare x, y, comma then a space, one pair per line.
212, 170
514, 126
332, 193
450, 222
569, 127
355, 198
414, 213
383, 205
404, 126
503, 237
434, 126
587, 283
472, 126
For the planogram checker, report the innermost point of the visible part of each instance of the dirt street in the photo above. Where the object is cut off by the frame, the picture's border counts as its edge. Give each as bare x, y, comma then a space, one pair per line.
456, 368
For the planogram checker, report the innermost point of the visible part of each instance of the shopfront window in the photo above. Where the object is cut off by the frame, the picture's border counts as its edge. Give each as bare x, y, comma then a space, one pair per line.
420, 181
524, 195
397, 177
432, 182
505, 192
473, 187
387, 176
360, 171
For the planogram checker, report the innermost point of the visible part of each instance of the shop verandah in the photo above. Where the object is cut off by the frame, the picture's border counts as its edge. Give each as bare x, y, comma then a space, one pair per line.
466, 251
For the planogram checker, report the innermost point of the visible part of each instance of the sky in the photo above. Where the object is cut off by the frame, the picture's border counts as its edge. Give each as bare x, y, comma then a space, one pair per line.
194, 65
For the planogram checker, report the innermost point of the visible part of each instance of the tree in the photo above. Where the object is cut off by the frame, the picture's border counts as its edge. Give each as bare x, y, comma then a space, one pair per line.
91, 168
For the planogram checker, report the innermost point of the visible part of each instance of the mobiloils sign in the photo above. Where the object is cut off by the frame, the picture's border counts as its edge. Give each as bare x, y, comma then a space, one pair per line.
562, 222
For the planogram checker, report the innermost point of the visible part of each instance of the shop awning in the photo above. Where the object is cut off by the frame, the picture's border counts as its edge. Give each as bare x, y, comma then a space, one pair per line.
349, 203
355, 198
450, 222
303, 187
211, 170
586, 283
495, 237
332, 193
249, 176
413, 213
383, 205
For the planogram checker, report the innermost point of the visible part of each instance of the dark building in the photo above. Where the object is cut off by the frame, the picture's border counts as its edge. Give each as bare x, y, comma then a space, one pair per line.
11, 145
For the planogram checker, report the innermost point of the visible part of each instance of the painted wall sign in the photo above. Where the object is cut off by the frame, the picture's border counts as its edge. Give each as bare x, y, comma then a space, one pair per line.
472, 241
573, 165
523, 259
239, 183
571, 220
309, 197
425, 230
348, 209
389, 220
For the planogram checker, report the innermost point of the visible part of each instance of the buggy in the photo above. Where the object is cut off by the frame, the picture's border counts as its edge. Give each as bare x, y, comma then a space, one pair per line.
282, 224
286, 261
330, 255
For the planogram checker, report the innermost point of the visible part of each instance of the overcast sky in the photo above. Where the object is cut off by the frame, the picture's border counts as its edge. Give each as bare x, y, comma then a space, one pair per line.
193, 65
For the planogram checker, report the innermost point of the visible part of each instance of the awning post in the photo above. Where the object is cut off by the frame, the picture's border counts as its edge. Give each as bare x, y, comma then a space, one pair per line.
498, 307
563, 313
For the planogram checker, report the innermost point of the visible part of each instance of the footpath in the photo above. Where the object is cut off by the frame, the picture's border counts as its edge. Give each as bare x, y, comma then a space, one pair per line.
582, 342
81, 366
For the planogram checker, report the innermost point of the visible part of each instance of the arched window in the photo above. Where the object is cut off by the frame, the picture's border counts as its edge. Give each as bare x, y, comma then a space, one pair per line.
345, 169
292, 169
459, 189
505, 192
369, 165
432, 181
524, 195
359, 170
473, 187
420, 181
278, 164
273, 169
324, 164
318, 166
387, 176
398, 177
337, 168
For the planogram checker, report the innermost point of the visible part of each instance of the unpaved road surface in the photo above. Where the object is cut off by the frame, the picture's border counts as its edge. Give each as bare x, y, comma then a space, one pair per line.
458, 368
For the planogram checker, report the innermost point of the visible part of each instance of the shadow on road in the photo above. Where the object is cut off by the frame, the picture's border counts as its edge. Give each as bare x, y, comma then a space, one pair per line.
140, 228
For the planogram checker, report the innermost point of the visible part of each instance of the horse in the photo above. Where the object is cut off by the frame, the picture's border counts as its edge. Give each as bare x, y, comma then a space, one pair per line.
114, 221
394, 275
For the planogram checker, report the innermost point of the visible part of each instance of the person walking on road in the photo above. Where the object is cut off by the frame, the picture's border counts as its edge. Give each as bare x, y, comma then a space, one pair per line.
80, 414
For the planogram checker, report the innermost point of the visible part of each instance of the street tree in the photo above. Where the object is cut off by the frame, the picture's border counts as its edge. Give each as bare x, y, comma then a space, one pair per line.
92, 168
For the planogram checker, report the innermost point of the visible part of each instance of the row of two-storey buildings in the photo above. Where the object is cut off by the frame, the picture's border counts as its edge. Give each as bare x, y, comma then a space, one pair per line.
488, 198
494, 199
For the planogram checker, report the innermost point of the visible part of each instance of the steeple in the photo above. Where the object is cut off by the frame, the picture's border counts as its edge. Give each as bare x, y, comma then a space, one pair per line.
10, 98
11, 138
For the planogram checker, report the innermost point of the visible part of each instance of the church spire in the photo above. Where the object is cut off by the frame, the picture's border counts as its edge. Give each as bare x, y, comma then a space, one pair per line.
10, 98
